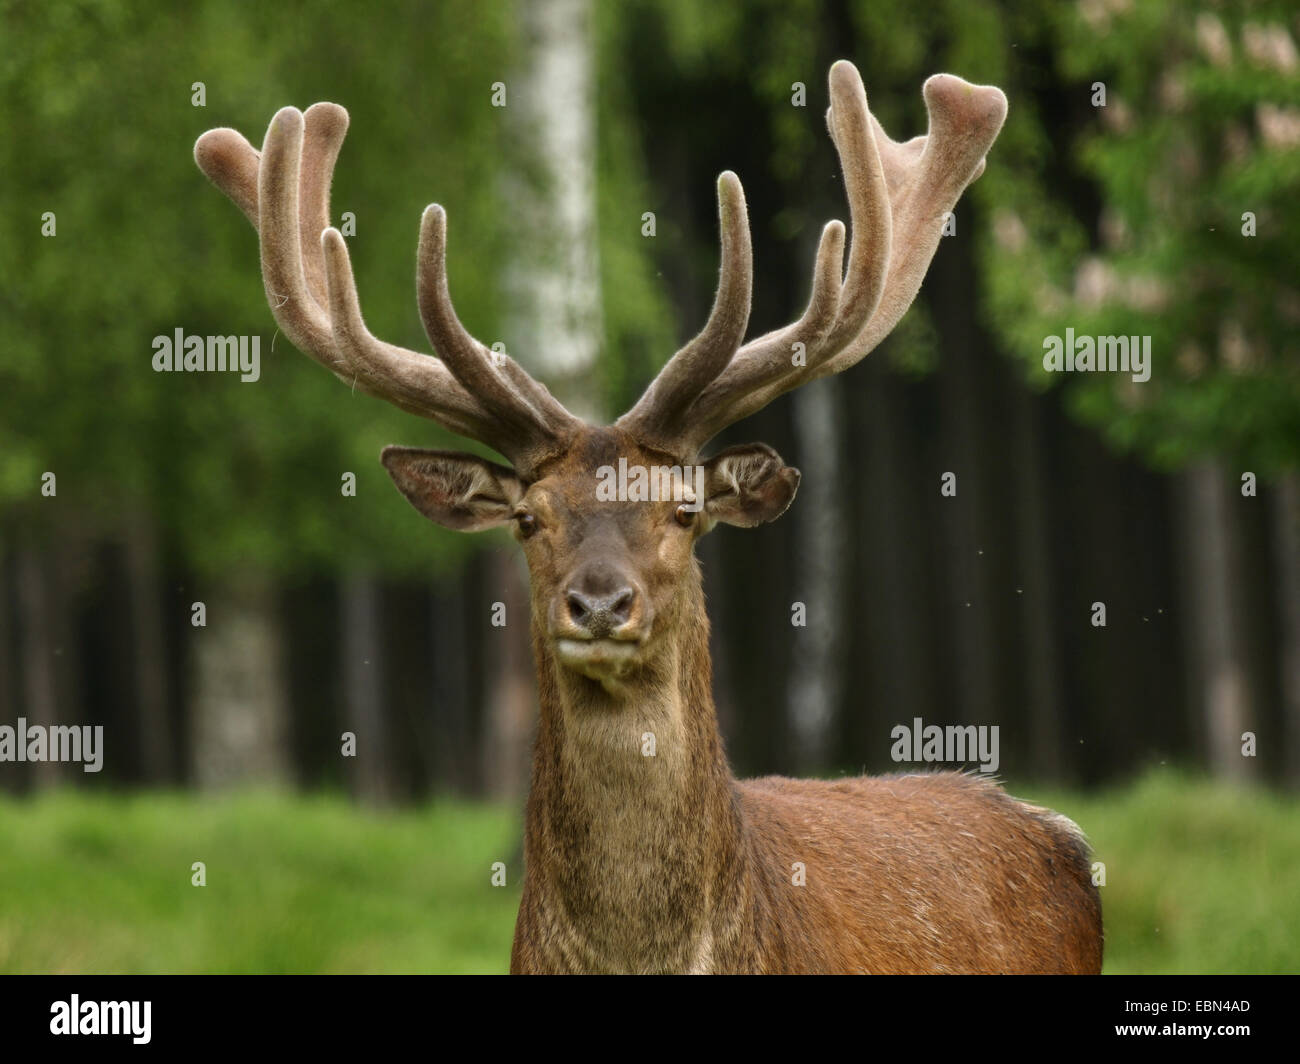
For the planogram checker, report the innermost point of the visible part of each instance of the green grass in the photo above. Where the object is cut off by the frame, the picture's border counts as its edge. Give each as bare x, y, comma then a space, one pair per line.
1199, 878
99, 883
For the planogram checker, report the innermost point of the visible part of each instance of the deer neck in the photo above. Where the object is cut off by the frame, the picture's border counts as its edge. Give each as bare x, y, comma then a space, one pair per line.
633, 840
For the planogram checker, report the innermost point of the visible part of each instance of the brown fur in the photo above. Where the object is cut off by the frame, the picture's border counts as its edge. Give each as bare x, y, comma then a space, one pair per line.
668, 864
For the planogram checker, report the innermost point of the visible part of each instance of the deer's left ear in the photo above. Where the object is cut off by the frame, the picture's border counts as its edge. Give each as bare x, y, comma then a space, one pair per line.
748, 485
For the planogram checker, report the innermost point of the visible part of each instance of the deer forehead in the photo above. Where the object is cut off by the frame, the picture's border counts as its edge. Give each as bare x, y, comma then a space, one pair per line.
610, 459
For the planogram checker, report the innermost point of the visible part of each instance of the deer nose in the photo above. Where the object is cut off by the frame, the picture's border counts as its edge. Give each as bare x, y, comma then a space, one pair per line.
600, 614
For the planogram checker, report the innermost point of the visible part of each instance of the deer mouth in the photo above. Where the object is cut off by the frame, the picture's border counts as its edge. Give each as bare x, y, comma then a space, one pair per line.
597, 658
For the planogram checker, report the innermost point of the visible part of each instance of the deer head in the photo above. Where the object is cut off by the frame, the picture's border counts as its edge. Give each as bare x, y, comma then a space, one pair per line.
612, 578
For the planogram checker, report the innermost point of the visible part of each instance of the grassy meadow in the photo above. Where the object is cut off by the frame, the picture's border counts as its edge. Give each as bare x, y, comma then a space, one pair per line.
1200, 877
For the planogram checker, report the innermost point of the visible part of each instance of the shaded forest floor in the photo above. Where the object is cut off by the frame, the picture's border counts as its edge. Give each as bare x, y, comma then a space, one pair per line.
1199, 878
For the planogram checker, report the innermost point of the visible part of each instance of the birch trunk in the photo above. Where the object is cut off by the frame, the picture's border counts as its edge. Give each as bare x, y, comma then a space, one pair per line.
1217, 651
553, 320
813, 693
240, 703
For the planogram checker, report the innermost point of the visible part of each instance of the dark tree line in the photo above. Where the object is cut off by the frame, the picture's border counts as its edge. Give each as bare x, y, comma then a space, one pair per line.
975, 607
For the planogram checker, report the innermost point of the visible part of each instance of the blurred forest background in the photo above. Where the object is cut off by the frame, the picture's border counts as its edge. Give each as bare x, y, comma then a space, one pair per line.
1147, 182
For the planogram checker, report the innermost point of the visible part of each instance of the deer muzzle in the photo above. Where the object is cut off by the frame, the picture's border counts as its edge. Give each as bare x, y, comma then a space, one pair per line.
599, 620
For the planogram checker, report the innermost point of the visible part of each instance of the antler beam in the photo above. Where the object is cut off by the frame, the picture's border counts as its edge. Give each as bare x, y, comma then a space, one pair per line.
898, 194
284, 192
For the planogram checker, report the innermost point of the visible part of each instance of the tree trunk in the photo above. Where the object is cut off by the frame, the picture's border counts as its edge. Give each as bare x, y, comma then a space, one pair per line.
813, 690
1037, 593
553, 325
452, 723
149, 650
552, 281
1286, 546
8, 675
902, 659
1217, 649
39, 700
513, 698
363, 675
240, 703
965, 382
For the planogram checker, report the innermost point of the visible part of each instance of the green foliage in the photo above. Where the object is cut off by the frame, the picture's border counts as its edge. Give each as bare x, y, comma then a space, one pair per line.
640, 334
97, 103
96, 96
100, 123
1117, 220
1200, 877
1199, 127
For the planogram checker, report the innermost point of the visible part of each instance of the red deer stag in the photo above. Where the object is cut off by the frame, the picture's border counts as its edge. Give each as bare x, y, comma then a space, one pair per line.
667, 863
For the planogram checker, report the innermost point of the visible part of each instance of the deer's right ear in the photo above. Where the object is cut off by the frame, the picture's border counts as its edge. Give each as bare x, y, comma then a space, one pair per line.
458, 491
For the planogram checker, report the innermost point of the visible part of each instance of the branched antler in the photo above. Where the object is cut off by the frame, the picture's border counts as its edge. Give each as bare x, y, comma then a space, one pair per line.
284, 192
898, 195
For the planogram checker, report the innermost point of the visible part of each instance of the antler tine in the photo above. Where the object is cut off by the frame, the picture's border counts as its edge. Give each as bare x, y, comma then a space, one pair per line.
284, 192
415, 383
836, 311
516, 400
929, 174
898, 194
325, 127
279, 223
230, 162
657, 416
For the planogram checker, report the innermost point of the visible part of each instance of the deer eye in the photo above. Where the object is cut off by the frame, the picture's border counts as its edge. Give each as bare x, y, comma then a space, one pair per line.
684, 516
527, 524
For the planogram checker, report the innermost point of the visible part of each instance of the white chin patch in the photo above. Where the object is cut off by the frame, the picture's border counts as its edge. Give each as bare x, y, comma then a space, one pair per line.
597, 658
